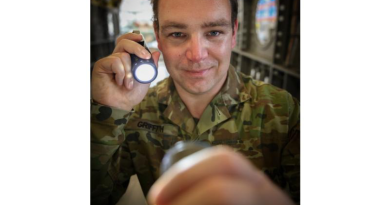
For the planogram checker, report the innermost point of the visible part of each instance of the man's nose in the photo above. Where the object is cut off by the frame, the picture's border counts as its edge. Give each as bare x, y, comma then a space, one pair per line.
196, 50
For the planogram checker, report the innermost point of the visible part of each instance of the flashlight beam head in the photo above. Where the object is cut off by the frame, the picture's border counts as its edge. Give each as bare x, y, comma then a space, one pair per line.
144, 70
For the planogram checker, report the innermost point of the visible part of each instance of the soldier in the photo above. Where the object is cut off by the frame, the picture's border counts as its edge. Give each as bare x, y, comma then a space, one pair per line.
254, 124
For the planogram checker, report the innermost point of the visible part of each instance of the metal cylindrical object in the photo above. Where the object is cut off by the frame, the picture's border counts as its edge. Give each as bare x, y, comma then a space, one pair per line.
179, 151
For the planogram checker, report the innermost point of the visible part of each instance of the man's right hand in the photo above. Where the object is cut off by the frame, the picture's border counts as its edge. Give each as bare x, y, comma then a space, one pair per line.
112, 80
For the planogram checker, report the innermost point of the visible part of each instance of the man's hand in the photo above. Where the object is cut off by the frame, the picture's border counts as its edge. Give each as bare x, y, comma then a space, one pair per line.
112, 80
215, 175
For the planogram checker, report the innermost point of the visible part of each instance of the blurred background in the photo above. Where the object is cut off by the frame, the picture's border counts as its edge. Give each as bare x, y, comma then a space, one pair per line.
268, 40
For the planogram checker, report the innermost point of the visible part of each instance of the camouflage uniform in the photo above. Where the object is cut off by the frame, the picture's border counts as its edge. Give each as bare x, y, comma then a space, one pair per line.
257, 119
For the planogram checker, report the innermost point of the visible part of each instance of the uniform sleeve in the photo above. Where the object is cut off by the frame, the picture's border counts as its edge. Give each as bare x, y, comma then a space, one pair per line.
111, 165
290, 159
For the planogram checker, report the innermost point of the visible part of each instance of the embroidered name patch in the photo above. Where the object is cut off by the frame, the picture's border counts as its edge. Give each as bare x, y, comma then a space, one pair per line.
151, 127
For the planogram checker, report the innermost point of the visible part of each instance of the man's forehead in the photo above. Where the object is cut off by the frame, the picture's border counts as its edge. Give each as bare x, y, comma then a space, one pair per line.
204, 11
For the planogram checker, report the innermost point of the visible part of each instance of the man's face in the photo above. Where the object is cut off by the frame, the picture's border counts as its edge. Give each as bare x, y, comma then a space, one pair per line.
196, 40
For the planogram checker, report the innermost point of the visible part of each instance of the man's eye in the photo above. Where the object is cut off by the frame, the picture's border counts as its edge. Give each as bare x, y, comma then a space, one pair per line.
177, 34
214, 33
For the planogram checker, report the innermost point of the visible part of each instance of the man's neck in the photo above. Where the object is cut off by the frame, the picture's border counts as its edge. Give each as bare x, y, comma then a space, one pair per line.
197, 103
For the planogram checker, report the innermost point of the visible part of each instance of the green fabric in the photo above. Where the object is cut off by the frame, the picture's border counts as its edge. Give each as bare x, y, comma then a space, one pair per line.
257, 119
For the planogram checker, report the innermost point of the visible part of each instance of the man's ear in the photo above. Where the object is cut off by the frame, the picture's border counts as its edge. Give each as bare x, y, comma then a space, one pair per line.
155, 26
234, 37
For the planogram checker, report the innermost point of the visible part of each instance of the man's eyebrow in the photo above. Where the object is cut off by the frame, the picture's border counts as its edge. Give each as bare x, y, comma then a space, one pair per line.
171, 24
176, 25
217, 23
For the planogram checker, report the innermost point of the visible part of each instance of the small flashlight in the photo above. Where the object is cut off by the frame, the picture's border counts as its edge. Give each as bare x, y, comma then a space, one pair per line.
180, 150
144, 70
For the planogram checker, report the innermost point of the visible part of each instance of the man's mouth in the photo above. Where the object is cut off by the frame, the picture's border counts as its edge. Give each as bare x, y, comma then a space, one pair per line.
197, 72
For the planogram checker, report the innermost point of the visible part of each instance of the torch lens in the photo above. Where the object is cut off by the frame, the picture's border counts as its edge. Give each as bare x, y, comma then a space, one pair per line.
145, 72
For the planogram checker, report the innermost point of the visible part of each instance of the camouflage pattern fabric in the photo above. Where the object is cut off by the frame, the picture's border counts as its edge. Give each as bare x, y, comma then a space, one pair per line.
257, 119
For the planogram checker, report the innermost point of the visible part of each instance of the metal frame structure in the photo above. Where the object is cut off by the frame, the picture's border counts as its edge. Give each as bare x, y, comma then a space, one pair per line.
269, 64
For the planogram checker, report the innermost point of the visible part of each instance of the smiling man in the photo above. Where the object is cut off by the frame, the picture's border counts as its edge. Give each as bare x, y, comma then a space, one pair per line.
196, 40
255, 125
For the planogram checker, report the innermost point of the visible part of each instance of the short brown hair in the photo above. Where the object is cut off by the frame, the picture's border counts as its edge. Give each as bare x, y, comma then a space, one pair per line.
233, 5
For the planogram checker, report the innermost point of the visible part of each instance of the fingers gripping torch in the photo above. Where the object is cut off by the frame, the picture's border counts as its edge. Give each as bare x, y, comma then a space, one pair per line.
143, 70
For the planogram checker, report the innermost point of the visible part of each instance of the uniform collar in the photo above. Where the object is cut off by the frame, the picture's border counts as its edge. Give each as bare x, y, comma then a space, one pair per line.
232, 92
